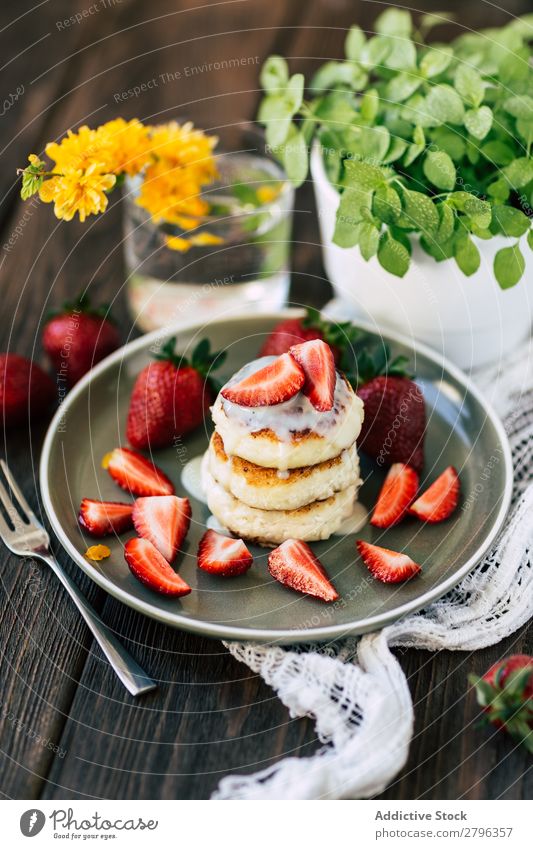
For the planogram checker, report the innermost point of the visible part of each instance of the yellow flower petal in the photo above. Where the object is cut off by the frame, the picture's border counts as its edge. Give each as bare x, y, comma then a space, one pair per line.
97, 552
106, 459
206, 239
266, 194
177, 243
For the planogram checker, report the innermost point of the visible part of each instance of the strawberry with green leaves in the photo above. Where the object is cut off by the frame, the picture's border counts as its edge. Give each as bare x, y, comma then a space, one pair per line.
294, 331
171, 396
78, 336
505, 692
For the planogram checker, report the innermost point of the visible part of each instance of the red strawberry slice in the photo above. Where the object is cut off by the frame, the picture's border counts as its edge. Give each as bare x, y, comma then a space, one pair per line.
136, 474
317, 361
101, 518
273, 384
151, 568
222, 555
440, 499
164, 520
293, 564
388, 566
397, 493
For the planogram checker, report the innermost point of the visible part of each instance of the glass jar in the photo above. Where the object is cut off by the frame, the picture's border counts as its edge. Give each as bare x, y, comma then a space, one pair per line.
251, 206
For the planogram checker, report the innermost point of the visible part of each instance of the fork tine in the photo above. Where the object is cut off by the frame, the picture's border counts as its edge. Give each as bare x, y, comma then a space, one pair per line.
9, 507
5, 530
15, 489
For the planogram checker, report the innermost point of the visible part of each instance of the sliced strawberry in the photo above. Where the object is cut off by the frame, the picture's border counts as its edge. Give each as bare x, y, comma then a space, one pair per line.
440, 499
273, 384
222, 555
397, 493
317, 361
101, 518
164, 520
293, 564
388, 566
151, 568
136, 474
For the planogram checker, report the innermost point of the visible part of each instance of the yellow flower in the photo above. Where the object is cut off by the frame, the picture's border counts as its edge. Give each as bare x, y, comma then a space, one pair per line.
177, 243
184, 164
98, 552
125, 146
77, 150
266, 194
82, 192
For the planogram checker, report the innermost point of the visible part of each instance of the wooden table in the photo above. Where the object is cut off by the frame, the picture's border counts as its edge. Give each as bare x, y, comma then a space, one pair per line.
210, 716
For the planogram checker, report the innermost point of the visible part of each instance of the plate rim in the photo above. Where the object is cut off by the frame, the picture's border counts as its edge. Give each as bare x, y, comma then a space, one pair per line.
262, 635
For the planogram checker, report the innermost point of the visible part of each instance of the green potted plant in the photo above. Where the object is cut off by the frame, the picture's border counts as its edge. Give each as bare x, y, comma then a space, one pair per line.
421, 160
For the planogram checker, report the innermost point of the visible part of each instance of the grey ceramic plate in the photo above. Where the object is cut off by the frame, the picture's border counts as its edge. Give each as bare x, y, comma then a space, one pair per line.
462, 430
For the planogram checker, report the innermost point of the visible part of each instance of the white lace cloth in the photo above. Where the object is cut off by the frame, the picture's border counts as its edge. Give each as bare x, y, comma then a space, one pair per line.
355, 689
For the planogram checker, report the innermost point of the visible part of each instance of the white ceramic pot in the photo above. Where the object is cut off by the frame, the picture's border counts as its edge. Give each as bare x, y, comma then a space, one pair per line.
470, 320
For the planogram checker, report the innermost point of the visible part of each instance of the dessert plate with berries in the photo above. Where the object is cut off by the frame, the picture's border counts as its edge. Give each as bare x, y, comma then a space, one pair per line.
276, 478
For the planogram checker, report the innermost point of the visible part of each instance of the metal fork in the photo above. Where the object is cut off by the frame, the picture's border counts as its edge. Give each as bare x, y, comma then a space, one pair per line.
28, 538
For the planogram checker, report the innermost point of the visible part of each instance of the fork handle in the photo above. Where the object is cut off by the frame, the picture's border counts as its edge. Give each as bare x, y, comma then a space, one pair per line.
128, 670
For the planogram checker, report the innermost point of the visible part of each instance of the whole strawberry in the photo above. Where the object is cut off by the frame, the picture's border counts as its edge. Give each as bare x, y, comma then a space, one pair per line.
79, 336
294, 331
395, 421
505, 693
171, 396
25, 389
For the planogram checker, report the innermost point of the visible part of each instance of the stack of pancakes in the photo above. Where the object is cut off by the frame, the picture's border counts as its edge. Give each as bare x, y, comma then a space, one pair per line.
285, 471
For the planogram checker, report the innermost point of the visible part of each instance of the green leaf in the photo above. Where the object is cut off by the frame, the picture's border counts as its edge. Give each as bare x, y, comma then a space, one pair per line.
395, 22
393, 256
370, 105
435, 61
509, 221
368, 240
275, 112
449, 140
498, 152
520, 106
354, 208
439, 169
31, 180
475, 208
446, 223
295, 91
295, 157
396, 149
479, 121
374, 52
386, 205
520, 172
402, 86
530, 239
333, 75
414, 150
274, 74
499, 190
374, 143
354, 43
467, 255
469, 85
402, 54
525, 131
509, 265
444, 105
420, 211
363, 175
